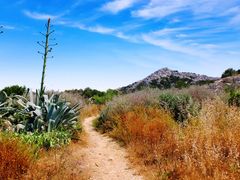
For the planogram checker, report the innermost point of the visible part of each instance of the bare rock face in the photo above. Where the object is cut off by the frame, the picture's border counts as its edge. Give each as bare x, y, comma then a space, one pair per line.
221, 84
166, 78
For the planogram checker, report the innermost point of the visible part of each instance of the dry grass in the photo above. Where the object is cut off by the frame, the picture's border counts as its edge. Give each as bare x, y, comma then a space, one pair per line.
17, 161
90, 110
15, 158
59, 164
73, 98
207, 148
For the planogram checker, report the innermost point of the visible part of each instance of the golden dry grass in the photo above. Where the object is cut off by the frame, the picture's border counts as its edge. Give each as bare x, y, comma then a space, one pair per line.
64, 163
15, 158
207, 148
90, 110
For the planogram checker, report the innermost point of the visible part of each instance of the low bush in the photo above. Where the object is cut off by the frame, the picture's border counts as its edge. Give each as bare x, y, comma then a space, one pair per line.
234, 98
105, 97
230, 72
198, 93
46, 140
16, 157
122, 104
148, 123
180, 105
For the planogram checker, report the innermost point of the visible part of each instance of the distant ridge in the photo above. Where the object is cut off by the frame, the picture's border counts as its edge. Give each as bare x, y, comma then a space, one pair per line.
166, 78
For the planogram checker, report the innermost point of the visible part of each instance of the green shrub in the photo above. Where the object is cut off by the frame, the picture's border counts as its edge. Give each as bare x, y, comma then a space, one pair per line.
230, 72
46, 140
234, 98
89, 93
16, 90
105, 97
181, 106
181, 84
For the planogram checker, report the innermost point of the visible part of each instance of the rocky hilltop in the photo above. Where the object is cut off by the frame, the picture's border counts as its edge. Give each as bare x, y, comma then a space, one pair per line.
221, 84
166, 78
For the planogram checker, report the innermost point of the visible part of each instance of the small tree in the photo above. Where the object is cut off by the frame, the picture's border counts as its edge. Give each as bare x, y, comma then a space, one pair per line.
47, 49
229, 72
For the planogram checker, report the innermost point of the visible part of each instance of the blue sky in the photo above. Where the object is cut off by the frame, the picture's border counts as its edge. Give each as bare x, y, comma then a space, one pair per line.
111, 43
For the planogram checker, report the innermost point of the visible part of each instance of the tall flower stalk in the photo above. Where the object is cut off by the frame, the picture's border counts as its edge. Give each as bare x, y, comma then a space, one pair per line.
47, 49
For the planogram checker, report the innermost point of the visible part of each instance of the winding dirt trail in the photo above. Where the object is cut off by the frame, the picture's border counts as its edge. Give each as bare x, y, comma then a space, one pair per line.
105, 159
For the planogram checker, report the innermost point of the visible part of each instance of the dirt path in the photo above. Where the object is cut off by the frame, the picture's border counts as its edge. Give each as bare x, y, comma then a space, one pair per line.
105, 159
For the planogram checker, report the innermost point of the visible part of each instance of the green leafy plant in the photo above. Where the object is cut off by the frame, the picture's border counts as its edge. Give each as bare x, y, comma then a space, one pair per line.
181, 106
105, 97
46, 140
234, 98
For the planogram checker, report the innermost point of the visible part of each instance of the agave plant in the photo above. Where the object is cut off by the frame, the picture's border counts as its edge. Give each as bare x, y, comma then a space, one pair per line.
40, 114
52, 114
12, 111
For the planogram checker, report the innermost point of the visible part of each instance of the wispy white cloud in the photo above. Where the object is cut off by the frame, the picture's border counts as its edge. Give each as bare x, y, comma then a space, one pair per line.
116, 6
200, 8
172, 46
97, 29
100, 29
175, 40
178, 39
40, 16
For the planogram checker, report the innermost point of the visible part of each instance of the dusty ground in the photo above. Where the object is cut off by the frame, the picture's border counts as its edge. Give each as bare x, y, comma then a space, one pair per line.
95, 157
104, 158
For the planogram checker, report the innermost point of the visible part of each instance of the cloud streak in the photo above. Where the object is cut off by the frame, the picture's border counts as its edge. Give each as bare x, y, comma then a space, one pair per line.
116, 6
200, 8
40, 16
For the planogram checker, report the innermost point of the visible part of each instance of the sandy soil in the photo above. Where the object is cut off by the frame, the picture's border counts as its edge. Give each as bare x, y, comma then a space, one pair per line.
104, 158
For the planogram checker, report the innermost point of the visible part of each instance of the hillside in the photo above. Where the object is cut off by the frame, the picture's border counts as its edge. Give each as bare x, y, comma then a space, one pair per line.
232, 81
166, 78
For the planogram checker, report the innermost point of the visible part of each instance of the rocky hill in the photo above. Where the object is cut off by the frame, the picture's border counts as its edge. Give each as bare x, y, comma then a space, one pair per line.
221, 84
166, 78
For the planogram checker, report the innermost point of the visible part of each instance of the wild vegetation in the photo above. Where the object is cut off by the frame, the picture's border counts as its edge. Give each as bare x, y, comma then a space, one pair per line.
36, 119
94, 96
230, 72
16, 157
16, 90
186, 134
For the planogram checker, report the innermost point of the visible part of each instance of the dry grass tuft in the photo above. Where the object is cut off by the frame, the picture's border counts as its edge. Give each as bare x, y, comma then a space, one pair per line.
65, 163
15, 158
90, 110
